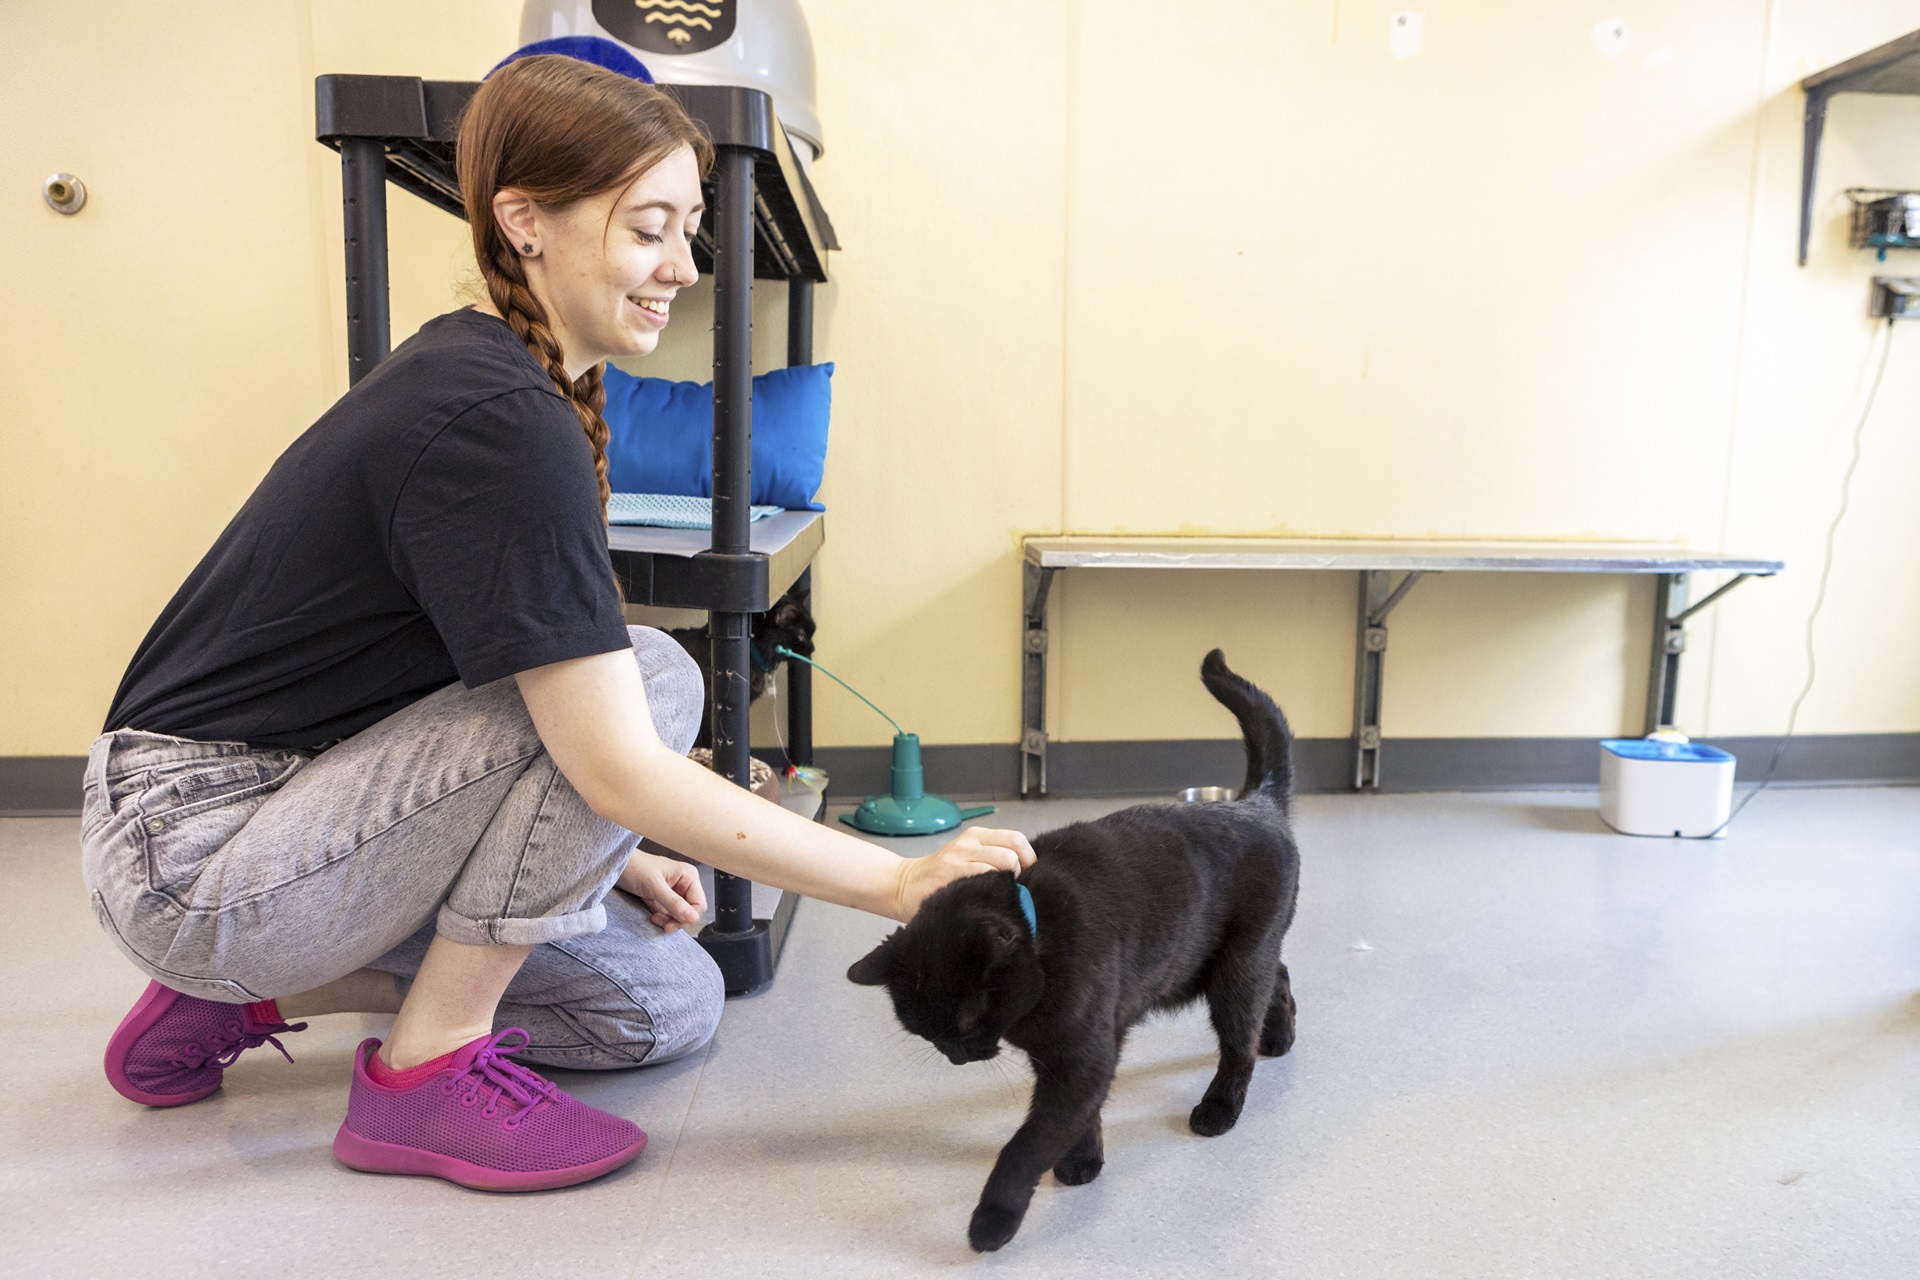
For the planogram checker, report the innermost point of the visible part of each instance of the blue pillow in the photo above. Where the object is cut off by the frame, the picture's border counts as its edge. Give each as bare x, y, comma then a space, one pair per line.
661, 435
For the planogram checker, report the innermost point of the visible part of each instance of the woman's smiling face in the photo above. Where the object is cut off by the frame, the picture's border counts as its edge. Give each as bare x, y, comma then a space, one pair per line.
607, 267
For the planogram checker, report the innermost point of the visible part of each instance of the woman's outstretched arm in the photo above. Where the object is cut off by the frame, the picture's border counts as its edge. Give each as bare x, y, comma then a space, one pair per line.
591, 714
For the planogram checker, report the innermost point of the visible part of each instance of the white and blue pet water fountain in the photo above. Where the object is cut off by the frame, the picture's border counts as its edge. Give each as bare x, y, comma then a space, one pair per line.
756, 44
1664, 785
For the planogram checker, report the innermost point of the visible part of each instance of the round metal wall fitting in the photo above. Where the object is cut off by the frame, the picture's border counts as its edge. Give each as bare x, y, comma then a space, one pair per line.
65, 193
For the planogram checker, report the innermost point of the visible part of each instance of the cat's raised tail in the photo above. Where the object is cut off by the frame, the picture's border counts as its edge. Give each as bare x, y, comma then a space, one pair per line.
1269, 740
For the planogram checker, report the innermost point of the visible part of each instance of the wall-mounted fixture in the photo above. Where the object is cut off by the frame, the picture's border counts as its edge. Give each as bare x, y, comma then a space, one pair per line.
1892, 68
65, 193
1884, 220
1895, 298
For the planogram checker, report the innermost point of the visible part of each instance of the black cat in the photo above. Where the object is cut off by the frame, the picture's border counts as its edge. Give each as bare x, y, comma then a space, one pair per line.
788, 624
1149, 908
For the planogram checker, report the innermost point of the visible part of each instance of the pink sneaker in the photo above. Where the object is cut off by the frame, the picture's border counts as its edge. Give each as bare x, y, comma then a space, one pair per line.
172, 1049
481, 1121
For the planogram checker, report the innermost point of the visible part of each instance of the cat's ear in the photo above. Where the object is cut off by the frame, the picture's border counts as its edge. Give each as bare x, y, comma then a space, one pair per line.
1001, 942
873, 969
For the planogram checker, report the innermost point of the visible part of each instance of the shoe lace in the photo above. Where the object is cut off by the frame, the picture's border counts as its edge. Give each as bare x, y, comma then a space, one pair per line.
492, 1070
224, 1048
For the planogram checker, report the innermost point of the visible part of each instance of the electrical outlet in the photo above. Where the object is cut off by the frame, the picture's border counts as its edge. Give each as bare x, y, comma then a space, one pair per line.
1895, 297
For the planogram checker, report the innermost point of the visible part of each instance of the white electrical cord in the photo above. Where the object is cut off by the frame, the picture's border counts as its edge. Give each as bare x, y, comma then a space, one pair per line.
1826, 573
780, 717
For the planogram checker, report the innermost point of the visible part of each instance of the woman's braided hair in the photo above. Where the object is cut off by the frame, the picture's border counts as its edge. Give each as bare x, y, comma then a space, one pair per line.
559, 130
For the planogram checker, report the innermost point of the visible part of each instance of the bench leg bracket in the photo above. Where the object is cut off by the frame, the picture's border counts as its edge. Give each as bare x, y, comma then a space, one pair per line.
1670, 614
1033, 678
1669, 642
1378, 596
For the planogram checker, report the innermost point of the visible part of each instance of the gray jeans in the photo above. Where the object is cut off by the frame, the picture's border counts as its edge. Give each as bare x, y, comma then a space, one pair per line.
239, 873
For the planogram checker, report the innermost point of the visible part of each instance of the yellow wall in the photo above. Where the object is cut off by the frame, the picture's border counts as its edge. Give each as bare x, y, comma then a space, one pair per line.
1105, 272
159, 349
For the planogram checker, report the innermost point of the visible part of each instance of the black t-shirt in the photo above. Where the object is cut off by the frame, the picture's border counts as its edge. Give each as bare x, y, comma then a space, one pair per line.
441, 522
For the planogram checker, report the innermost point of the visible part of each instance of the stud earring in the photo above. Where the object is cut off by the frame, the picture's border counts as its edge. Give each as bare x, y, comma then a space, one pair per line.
527, 247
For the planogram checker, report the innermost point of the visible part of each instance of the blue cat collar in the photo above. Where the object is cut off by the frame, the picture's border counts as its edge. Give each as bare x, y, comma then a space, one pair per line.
1026, 909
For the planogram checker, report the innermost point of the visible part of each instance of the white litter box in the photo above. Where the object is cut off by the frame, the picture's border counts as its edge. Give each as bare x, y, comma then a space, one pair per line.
1655, 787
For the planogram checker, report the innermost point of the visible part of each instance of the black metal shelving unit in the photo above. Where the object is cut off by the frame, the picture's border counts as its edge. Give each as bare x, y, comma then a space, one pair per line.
763, 221
1894, 67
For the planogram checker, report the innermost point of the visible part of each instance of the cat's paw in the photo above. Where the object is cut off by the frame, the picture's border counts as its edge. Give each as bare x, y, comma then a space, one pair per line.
1212, 1118
1077, 1170
992, 1226
1276, 1030
1276, 1038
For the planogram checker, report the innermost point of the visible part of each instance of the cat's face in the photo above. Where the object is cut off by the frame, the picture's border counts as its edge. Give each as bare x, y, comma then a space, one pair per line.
791, 625
962, 971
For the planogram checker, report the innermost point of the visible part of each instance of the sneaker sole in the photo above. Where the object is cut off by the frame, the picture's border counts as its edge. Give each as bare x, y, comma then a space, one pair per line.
369, 1156
145, 1012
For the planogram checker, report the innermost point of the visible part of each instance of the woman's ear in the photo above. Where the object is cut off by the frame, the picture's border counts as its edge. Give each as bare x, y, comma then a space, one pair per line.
513, 211
872, 969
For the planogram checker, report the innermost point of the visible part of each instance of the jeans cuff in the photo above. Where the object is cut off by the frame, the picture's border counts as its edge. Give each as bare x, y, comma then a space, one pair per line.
519, 931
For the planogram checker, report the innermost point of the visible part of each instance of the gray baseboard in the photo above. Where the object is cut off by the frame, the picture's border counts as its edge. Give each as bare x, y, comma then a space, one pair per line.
992, 770
40, 785
51, 784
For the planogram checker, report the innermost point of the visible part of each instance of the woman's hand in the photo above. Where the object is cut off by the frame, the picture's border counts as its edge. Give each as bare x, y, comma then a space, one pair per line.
669, 888
973, 851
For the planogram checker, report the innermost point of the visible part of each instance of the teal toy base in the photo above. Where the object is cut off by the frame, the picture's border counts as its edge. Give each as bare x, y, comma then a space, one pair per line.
888, 816
909, 810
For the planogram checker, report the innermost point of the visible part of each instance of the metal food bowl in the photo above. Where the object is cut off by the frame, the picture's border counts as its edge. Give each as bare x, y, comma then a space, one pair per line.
1207, 795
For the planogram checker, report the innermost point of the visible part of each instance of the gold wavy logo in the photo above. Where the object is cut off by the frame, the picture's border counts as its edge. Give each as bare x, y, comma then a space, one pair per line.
668, 26
689, 6
677, 21
682, 20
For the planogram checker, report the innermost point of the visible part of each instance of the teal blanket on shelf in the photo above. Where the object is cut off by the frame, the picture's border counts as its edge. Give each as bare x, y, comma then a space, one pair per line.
670, 510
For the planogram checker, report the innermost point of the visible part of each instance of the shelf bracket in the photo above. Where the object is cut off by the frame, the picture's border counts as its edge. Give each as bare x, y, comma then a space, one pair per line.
1893, 68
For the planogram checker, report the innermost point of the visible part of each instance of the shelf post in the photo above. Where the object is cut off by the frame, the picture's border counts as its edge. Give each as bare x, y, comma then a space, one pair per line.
799, 322
799, 674
363, 184
739, 944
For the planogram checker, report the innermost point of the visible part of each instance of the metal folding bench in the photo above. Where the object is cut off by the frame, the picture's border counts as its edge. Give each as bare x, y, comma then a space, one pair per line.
1375, 563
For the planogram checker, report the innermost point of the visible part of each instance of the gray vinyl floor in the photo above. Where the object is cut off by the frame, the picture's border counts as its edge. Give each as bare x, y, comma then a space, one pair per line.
1528, 1048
